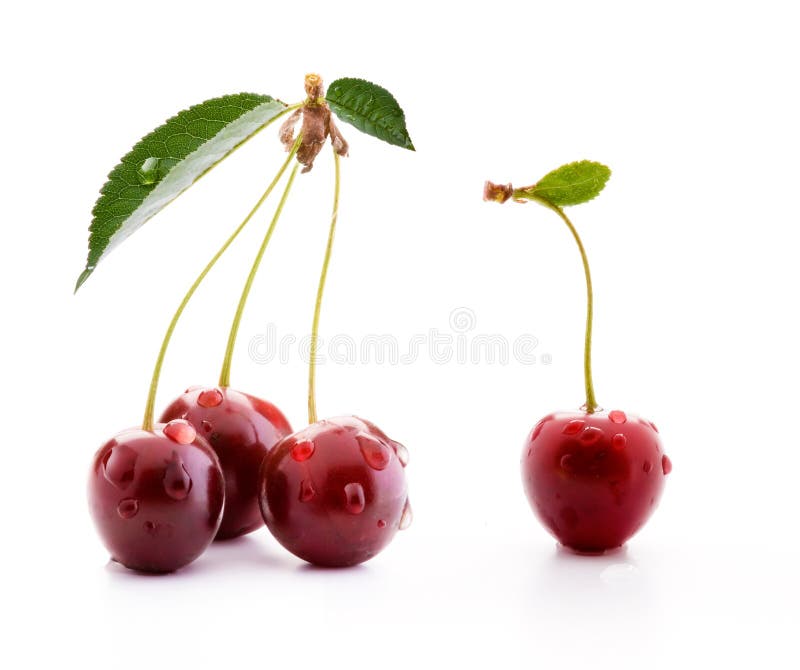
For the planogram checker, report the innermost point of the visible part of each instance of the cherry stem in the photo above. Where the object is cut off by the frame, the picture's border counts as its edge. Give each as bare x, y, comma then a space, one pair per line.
312, 366
591, 403
148, 422
225, 374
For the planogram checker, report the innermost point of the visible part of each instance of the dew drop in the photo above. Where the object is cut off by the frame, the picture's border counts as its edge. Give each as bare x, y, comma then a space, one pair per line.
148, 172
210, 398
647, 466
180, 431
206, 425
566, 462
303, 450
150, 527
375, 453
119, 466
401, 452
354, 498
177, 482
381, 523
128, 508
591, 435
619, 441
666, 464
406, 517
651, 424
307, 491
537, 429
573, 427
617, 416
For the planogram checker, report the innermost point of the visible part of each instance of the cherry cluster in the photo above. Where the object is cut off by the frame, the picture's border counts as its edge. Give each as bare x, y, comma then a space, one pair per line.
221, 463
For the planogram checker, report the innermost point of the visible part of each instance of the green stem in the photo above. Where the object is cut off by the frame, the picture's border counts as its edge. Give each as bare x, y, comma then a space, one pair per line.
225, 375
147, 423
591, 403
312, 366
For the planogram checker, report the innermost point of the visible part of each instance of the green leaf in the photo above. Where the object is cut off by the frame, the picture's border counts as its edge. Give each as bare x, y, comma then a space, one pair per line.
169, 160
371, 109
571, 184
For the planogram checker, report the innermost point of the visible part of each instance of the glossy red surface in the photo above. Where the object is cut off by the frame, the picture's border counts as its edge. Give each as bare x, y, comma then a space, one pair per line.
334, 493
156, 502
241, 429
594, 479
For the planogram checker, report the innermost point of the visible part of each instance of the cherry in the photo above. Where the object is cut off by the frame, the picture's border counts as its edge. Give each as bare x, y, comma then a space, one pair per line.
241, 429
594, 479
334, 493
156, 496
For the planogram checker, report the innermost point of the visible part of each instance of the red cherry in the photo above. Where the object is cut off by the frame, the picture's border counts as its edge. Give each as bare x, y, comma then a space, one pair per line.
594, 479
155, 498
241, 429
334, 493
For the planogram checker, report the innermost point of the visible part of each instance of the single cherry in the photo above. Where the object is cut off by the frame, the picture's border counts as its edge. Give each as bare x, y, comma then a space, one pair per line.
156, 496
334, 493
592, 477
241, 429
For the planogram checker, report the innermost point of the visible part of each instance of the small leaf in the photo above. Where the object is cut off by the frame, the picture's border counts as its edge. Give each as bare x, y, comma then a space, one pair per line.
571, 184
371, 109
169, 160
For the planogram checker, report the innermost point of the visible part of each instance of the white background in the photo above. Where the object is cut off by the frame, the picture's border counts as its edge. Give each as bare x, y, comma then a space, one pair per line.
693, 247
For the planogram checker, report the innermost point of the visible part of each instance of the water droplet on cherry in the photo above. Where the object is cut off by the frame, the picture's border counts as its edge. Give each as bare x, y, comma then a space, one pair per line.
619, 441
119, 466
307, 491
128, 508
180, 431
666, 464
401, 452
406, 517
566, 462
591, 435
375, 453
573, 427
303, 450
177, 482
537, 430
354, 498
647, 466
381, 523
206, 425
210, 398
617, 416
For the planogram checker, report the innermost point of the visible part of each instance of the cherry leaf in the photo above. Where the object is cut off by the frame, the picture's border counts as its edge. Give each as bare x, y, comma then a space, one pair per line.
371, 109
571, 184
167, 161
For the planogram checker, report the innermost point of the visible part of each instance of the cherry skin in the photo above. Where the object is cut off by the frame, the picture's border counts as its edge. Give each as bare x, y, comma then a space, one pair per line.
156, 496
334, 493
594, 479
241, 429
